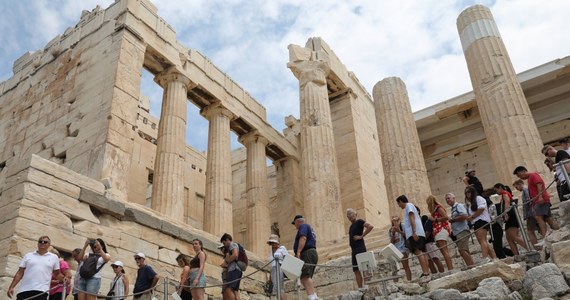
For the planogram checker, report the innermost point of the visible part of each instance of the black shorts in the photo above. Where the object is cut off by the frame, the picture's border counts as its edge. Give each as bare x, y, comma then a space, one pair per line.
309, 256
480, 223
30, 294
420, 244
354, 253
233, 275
512, 221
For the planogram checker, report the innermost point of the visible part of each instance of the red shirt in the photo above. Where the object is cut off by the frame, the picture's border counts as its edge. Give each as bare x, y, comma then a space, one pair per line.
533, 180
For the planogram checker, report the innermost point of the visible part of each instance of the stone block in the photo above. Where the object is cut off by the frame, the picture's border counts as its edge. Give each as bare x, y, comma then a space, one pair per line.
53, 183
56, 200
49, 216
493, 288
102, 203
157, 237
167, 255
62, 239
548, 277
141, 216
133, 244
65, 174
468, 280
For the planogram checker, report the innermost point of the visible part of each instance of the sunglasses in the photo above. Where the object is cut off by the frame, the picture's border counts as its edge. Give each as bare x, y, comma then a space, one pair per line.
138, 258
43, 242
114, 267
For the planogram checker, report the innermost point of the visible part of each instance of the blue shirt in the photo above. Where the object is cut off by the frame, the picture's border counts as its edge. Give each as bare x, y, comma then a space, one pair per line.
311, 242
145, 275
458, 209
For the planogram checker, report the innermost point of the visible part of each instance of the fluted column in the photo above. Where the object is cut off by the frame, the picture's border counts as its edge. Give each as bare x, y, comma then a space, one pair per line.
321, 188
257, 207
168, 177
218, 213
507, 120
400, 146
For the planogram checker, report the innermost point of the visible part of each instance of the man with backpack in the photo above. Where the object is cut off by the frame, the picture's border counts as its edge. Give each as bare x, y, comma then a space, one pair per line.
230, 290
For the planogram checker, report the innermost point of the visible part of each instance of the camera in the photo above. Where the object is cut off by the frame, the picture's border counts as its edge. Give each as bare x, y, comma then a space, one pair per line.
92, 242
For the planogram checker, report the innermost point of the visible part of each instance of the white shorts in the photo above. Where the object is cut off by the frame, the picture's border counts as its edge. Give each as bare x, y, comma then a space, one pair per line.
443, 235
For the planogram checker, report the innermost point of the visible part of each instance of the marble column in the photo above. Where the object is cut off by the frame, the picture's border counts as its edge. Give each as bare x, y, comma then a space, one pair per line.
321, 187
400, 146
506, 117
218, 211
257, 207
168, 178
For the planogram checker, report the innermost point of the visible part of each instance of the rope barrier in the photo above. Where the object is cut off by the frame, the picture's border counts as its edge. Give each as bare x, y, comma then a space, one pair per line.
46, 292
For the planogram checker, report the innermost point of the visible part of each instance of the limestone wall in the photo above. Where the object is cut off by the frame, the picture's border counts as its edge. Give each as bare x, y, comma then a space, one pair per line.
41, 197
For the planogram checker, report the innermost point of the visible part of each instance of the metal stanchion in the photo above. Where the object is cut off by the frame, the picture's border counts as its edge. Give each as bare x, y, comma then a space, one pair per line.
277, 277
532, 255
64, 292
165, 288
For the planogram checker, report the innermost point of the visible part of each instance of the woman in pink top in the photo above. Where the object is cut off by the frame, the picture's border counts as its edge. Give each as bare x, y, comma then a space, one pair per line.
56, 284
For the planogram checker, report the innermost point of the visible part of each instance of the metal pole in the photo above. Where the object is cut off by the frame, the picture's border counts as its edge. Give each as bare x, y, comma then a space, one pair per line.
165, 288
64, 292
514, 206
278, 277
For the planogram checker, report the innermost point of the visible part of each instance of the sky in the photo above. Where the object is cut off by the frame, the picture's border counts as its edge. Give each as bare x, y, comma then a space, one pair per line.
415, 40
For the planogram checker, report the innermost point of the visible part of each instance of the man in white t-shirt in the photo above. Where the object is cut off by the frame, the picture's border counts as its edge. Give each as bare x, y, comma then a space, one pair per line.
415, 235
35, 272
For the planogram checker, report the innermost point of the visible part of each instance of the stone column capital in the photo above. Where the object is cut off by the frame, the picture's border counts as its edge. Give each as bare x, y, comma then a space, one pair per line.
310, 71
173, 74
253, 136
215, 109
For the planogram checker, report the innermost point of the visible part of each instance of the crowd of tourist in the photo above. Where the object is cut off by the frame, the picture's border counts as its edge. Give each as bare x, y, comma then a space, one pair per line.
43, 273
481, 217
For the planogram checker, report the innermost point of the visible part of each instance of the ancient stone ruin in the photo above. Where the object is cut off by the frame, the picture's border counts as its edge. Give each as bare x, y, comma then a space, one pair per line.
82, 156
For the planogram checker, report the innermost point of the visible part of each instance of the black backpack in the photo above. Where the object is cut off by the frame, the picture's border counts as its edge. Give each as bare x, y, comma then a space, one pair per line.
89, 267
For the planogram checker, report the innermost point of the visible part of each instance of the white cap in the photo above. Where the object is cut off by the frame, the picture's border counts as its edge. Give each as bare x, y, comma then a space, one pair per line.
118, 263
140, 254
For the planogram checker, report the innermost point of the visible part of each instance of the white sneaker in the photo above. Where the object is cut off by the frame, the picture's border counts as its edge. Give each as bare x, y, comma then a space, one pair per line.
539, 244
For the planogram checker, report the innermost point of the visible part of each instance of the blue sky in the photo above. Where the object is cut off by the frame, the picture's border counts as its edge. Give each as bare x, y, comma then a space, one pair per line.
415, 40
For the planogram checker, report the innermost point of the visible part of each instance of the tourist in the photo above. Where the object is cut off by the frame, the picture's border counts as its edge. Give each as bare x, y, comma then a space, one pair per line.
230, 290
460, 228
559, 156
146, 278
184, 286
89, 286
480, 219
276, 256
397, 239
119, 286
497, 224
470, 179
531, 225
35, 271
305, 248
434, 263
441, 228
197, 278
540, 199
57, 282
510, 218
356, 233
415, 235
75, 255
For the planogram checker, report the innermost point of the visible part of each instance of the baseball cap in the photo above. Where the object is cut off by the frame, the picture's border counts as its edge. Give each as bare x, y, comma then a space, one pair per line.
118, 263
273, 239
140, 254
296, 217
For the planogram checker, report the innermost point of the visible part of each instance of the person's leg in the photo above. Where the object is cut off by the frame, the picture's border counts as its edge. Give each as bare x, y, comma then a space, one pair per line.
511, 232
358, 278
438, 264
442, 245
307, 283
228, 294
498, 240
481, 236
422, 257
541, 225
406, 266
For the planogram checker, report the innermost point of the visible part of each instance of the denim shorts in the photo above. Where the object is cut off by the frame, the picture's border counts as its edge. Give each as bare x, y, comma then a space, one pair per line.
90, 285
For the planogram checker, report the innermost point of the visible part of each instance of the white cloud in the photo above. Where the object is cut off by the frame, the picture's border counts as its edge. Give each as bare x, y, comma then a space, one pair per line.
414, 40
